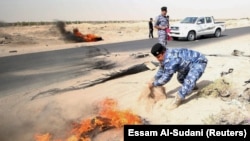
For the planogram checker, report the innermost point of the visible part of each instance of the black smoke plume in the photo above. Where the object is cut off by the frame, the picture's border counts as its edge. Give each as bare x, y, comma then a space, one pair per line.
68, 36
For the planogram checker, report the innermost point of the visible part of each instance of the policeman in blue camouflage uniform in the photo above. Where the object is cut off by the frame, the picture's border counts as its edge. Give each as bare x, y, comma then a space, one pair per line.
162, 23
189, 65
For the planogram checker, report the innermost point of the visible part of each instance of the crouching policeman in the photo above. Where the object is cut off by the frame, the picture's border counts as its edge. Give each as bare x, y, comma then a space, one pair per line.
189, 65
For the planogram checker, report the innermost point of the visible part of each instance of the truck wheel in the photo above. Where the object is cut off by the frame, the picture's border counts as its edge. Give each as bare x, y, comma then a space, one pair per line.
217, 33
191, 36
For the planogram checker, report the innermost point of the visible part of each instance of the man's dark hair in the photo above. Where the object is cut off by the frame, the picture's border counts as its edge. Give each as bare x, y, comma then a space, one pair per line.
158, 49
164, 8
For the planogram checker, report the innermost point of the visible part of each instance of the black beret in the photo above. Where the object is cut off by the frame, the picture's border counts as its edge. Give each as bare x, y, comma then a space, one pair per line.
157, 49
164, 8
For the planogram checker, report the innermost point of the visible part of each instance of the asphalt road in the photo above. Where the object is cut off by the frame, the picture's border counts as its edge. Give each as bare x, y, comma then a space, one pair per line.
22, 73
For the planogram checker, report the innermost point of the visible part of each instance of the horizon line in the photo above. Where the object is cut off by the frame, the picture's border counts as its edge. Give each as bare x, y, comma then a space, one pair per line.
91, 21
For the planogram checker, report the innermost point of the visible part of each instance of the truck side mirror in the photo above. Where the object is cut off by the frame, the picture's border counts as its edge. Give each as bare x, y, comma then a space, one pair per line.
199, 22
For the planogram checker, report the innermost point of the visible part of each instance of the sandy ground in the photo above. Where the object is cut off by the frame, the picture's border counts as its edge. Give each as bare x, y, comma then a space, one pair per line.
47, 111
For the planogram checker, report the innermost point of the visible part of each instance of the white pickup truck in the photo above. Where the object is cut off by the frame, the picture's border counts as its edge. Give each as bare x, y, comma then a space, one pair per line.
191, 28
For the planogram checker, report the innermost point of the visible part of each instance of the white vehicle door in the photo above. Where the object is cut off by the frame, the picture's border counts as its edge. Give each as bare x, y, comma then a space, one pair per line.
210, 25
201, 26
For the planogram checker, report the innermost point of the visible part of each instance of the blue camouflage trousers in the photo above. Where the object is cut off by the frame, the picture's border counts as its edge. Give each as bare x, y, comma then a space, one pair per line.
162, 38
189, 78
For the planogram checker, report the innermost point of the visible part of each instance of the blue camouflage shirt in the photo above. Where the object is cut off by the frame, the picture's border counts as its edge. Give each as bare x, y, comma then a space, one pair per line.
161, 21
176, 60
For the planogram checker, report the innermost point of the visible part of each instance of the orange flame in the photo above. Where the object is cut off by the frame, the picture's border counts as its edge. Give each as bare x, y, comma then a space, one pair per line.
86, 37
44, 137
109, 117
118, 118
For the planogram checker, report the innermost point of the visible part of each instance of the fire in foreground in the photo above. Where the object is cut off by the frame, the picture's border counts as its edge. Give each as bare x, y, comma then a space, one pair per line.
109, 117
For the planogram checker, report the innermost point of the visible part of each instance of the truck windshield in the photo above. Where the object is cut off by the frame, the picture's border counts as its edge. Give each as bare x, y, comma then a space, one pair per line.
189, 20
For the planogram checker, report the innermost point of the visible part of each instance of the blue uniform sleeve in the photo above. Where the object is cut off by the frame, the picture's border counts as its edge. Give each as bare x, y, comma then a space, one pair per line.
166, 73
159, 73
157, 22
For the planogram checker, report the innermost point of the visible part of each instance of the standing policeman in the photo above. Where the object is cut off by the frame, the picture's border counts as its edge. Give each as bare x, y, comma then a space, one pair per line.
162, 24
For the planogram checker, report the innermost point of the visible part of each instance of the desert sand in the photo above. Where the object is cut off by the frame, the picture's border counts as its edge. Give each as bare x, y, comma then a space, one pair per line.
220, 99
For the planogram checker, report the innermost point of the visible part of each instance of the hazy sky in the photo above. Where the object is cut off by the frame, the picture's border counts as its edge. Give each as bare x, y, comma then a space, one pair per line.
100, 10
